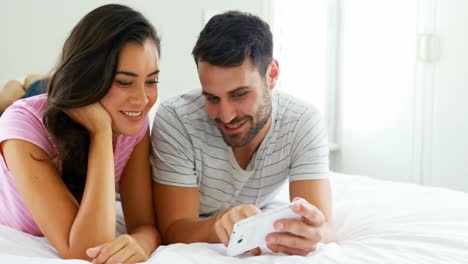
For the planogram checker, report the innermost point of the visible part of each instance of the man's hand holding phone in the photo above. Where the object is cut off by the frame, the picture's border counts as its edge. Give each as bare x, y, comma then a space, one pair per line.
298, 237
295, 229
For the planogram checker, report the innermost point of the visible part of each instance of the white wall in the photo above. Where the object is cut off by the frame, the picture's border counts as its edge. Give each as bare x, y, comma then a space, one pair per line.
445, 159
402, 104
398, 119
376, 95
33, 32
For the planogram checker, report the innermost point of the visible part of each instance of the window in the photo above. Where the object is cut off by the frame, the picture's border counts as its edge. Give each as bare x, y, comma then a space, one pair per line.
306, 37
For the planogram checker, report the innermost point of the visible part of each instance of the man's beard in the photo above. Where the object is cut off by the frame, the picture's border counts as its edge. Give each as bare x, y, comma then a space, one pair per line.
262, 116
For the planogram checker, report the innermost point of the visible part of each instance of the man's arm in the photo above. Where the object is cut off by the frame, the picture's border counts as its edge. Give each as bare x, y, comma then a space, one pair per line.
309, 182
175, 186
317, 193
177, 209
172, 159
177, 212
300, 237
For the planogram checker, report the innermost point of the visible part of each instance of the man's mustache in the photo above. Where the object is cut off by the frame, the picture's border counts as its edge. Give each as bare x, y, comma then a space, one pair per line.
233, 121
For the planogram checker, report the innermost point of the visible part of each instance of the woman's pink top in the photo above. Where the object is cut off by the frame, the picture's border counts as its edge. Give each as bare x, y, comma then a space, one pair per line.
23, 120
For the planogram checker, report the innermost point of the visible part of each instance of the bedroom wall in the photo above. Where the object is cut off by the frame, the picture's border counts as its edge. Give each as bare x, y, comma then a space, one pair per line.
32, 34
375, 109
403, 91
399, 118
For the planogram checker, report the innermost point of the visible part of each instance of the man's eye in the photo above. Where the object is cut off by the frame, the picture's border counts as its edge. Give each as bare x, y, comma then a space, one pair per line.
213, 99
240, 94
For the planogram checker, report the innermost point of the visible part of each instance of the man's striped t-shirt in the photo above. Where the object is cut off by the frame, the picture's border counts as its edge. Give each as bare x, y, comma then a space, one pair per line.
189, 150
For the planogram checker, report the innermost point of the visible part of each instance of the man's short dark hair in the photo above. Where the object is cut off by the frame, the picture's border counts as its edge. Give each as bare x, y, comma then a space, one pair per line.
229, 38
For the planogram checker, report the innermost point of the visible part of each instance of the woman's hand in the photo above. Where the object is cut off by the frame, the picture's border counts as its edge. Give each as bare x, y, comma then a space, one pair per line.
124, 249
93, 117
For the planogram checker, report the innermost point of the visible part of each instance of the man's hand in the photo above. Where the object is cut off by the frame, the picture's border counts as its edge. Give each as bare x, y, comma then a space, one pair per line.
225, 220
124, 249
300, 237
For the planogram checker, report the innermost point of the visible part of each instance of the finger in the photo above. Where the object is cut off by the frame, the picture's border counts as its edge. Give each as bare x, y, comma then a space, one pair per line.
311, 214
256, 251
242, 212
286, 250
299, 228
93, 252
135, 259
222, 233
249, 210
297, 199
228, 227
121, 256
110, 249
291, 241
224, 238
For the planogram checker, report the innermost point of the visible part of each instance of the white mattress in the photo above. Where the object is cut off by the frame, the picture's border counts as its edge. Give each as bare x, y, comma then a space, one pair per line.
376, 221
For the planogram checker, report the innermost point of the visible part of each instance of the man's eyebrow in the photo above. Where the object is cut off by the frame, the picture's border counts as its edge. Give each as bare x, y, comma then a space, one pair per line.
230, 92
207, 94
134, 74
238, 89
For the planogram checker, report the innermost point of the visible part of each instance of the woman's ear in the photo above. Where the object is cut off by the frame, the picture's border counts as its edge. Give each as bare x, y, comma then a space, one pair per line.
272, 74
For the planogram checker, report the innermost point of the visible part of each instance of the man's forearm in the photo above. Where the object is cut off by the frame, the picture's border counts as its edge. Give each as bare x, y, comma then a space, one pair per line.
148, 238
192, 230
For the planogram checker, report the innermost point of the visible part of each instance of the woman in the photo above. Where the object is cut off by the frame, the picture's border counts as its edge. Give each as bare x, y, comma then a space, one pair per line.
64, 153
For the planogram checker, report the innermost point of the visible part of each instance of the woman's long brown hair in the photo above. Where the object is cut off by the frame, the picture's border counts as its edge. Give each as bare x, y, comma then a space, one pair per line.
83, 76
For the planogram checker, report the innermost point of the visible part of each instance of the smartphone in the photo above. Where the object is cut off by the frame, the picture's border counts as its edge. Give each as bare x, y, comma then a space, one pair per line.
251, 232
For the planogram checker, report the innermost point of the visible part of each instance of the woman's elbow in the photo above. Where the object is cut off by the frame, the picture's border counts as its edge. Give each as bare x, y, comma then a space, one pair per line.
79, 251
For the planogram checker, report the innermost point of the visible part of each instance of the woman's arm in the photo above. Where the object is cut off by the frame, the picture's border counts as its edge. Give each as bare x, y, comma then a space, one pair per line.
135, 193
71, 228
136, 196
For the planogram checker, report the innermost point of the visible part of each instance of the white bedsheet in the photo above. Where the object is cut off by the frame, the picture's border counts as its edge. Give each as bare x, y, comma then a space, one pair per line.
376, 222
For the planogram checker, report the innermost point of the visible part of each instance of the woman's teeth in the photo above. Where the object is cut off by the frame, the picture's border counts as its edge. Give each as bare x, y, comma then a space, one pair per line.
132, 114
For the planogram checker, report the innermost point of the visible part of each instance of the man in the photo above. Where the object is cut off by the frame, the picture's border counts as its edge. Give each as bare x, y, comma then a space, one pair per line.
221, 154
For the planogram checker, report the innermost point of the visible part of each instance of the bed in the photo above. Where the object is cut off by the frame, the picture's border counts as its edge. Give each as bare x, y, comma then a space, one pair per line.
377, 222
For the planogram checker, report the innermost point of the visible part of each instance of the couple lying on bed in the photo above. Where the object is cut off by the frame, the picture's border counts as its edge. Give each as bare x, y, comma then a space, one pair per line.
216, 155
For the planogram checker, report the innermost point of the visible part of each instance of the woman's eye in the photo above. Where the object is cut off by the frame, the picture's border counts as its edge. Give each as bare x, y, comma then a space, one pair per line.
123, 83
152, 82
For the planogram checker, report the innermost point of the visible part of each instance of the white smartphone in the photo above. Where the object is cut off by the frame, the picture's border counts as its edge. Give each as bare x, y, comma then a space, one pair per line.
251, 232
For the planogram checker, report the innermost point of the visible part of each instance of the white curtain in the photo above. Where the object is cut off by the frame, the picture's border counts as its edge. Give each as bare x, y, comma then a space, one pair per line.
306, 39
